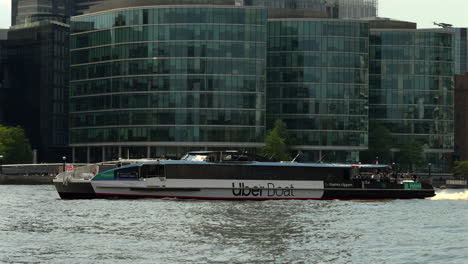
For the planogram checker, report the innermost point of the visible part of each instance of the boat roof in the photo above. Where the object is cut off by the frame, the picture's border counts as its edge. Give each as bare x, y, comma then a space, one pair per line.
250, 163
205, 152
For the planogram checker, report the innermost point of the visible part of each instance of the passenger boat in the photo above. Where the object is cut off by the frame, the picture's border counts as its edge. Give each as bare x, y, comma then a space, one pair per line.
76, 183
229, 176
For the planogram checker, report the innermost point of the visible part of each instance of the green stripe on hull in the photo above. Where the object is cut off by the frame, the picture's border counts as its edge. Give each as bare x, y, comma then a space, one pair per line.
105, 175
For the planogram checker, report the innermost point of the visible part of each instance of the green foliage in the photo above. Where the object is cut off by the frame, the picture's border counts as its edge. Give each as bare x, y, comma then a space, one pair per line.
380, 143
277, 143
411, 154
461, 169
14, 146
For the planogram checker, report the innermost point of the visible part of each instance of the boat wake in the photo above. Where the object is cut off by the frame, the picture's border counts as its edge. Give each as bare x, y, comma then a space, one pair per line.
461, 194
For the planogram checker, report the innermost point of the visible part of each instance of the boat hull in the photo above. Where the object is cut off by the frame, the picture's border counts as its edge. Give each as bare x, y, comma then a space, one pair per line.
248, 190
369, 194
75, 189
312, 195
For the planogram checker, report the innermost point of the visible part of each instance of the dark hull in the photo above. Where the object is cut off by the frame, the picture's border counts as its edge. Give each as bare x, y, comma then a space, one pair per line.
347, 196
363, 194
75, 190
328, 194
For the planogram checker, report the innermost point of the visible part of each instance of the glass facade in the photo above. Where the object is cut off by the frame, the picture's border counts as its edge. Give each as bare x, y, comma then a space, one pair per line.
318, 85
460, 49
169, 74
27, 11
460, 39
411, 89
343, 9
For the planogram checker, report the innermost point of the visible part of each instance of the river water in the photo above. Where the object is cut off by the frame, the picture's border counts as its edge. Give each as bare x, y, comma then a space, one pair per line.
37, 227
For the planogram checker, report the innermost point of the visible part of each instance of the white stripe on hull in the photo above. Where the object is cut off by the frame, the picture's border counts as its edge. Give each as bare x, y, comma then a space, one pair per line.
211, 194
212, 189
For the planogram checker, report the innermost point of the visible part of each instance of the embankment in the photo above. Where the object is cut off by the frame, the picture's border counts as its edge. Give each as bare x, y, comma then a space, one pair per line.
25, 179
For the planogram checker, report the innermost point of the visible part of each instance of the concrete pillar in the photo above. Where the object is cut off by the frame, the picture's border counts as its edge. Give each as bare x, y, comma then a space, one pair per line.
34, 156
73, 154
103, 154
88, 154
120, 152
148, 152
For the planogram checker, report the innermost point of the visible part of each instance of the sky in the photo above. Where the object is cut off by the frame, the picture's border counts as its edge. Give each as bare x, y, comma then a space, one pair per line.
424, 12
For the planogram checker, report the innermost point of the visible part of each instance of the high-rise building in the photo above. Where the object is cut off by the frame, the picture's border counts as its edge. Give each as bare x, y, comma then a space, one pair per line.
38, 85
81, 7
461, 117
411, 88
28, 11
318, 85
3, 65
38, 48
161, 80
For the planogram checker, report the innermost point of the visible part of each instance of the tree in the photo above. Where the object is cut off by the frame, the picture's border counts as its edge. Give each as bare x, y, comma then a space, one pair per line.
411, 154
14, 145
277, 143
461, 169
380, 143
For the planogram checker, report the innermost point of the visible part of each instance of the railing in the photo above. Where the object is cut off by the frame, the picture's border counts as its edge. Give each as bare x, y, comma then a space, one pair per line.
83, 173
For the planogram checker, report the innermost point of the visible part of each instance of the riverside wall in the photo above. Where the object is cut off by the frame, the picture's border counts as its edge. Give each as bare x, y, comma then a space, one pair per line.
29, 173
26, 179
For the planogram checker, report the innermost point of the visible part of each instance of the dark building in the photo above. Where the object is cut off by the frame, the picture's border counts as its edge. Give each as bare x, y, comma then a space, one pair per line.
82, 6
37, 84
3, 67
28, 11
461, 117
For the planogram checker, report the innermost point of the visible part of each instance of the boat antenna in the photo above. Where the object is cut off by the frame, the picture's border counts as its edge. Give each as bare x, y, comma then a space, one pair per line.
298, 154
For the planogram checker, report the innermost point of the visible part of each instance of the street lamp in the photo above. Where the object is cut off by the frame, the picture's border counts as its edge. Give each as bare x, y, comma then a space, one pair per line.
64, 160
1, 164
429, 165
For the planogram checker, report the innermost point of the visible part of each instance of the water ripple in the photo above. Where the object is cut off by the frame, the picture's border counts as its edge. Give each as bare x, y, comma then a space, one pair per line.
37, 227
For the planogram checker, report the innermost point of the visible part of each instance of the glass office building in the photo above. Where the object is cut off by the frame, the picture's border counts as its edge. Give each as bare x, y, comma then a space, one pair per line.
343, 9
460, 38
165, 79
318, 85
411, 89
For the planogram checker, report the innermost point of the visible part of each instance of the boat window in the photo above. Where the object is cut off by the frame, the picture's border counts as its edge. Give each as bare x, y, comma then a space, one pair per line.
127, 173
195, 157
346, 175
152, 170
253, 172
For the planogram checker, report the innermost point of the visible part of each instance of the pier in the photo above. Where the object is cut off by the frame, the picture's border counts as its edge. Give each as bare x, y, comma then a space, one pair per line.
30, 173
